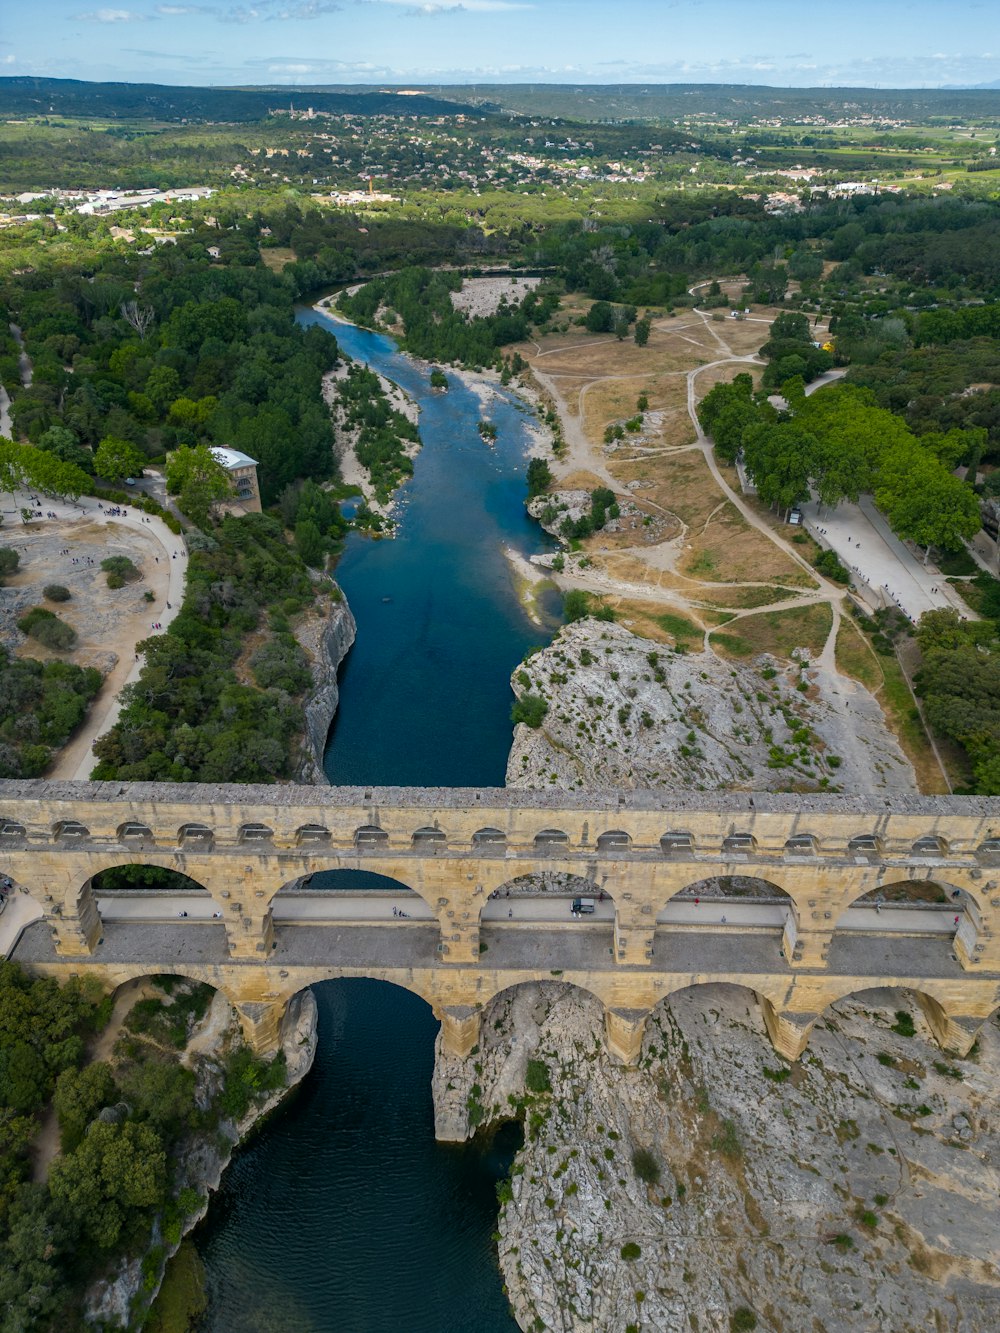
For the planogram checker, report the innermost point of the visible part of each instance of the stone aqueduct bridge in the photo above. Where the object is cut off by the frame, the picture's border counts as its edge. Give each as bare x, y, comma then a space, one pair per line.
453, 847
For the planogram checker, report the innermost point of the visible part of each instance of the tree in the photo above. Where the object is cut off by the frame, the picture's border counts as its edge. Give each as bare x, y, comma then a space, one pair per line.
117, 1173
79, 1095
9, 561
642, 331
63, 444
924, 502
117, 459
309, 542
600, 318
163, 385
539, 477
777, 458
198, 480
140, 317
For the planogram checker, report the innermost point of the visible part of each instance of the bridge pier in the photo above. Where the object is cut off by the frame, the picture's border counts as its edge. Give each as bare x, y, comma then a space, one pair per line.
250, 935
806, 948
460, 1028
75, 924
624, 1030
261, 1022
635, 933
955, 1033
789, 1032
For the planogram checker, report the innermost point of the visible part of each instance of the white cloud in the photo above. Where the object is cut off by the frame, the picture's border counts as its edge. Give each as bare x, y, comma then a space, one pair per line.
431, 7
8, 60
111, 16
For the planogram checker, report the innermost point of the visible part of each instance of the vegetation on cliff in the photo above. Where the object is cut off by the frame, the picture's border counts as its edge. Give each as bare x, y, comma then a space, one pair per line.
123, 1123
199, 712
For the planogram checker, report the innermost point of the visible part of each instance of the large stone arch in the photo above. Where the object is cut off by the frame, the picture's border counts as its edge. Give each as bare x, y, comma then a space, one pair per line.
946, 906
348, 894
709, 992
954, 1023
755, 902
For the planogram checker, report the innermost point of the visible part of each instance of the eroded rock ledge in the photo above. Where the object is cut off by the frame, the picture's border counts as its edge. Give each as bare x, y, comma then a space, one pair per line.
856, 1190
326, 640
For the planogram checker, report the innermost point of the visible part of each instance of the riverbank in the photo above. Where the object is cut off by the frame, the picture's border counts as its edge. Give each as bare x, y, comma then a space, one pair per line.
113, 1301
485, 385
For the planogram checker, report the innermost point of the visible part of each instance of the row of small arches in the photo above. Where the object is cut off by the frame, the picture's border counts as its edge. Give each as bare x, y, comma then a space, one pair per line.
491, 840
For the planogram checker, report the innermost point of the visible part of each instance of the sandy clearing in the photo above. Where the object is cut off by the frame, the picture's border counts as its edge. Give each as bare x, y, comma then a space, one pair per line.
110, 623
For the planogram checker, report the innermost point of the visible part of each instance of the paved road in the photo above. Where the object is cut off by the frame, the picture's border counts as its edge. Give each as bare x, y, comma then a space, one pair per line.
869, 548
314, 907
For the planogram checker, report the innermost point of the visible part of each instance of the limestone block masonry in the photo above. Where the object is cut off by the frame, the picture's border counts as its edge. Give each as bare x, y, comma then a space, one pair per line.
454, 846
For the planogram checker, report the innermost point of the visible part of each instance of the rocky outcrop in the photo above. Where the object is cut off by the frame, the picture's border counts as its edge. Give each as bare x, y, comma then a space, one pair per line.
855, 1190
624, 712
326, 639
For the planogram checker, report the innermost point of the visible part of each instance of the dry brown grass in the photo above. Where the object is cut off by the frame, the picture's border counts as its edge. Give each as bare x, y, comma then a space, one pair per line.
856, 658
276, 257
721, 546
661, 623
610, 400
776, 632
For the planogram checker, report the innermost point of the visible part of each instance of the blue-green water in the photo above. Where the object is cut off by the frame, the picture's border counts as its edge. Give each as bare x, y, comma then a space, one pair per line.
345, 1215
425, 694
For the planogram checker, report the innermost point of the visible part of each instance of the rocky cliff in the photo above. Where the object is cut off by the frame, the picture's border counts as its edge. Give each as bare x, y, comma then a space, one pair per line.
326, 640
714, 1188
624, 712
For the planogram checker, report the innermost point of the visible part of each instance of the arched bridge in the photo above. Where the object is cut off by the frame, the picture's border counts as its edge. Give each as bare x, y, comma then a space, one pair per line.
800, 945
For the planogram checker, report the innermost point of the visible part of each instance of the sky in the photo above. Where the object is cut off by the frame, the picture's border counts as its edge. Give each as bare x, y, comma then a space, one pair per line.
790, 43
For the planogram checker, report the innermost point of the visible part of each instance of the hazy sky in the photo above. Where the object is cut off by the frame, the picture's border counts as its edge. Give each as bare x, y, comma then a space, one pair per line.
887, 43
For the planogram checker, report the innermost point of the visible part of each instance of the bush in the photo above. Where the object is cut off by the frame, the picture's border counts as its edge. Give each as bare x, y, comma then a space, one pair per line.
742, 1320
645, 1166
120, 570
529, 709
536, 1078
55, 592
9, 561
46, 627
904, 1024
630, 1250
828, 563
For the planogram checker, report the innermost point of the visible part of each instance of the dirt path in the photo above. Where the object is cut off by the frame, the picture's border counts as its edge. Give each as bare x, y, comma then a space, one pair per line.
85, 529
211, 1029
45, 1148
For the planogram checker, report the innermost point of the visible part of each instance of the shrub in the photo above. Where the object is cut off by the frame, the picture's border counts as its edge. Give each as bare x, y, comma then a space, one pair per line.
9, 561
904, 1024
529, 709
630, 1250
46, 627
120, 570
742, 1320
645, 1166
55, 592
536, 1078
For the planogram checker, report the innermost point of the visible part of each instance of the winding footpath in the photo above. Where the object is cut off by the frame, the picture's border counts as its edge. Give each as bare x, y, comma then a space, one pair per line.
166, 580
843, 693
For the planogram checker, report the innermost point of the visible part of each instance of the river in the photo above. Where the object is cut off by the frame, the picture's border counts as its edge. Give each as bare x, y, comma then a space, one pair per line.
345, 1215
